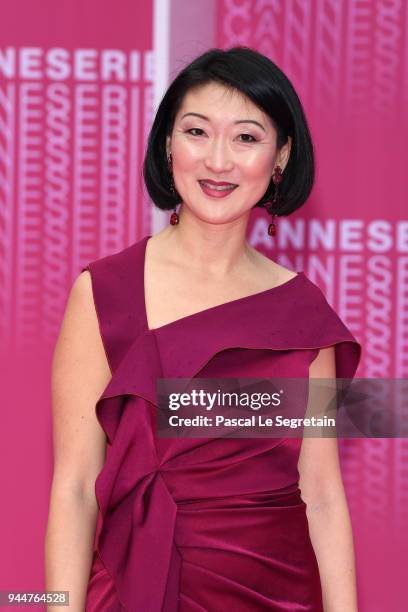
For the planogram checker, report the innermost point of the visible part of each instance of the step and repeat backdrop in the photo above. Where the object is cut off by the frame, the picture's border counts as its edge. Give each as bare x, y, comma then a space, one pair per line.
76, 103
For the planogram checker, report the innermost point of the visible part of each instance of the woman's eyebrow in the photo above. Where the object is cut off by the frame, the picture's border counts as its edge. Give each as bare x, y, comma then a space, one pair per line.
239, 121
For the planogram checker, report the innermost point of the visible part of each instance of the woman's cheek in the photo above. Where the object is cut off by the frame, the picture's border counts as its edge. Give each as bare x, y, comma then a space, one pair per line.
259, 165
187, 154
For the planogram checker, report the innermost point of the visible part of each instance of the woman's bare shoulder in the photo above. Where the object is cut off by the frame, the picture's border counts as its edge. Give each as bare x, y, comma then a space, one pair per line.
80, 372
79, 340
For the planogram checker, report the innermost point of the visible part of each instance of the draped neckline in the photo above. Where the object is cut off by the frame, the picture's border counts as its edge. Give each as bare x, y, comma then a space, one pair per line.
211, 309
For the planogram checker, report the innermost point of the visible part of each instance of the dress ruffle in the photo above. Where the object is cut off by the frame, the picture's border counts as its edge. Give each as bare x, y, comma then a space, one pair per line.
136, 537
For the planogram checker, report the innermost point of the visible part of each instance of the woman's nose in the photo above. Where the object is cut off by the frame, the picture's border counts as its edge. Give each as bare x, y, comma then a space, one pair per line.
218, 156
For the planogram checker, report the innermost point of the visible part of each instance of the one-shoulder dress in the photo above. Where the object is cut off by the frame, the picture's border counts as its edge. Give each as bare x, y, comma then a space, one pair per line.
197, 525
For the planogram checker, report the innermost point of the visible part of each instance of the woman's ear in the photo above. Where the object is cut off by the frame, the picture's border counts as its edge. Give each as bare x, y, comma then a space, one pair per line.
168, 145
284, 154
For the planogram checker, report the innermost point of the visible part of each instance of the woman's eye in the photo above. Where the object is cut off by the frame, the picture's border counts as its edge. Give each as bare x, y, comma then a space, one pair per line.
249, 135
194, 130
199, 132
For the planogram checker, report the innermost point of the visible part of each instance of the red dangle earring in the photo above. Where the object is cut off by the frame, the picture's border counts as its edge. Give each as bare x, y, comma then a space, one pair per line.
174, 218
276, 200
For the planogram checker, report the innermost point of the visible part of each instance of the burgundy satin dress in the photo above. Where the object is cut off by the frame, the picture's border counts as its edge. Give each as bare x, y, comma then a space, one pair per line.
203, 525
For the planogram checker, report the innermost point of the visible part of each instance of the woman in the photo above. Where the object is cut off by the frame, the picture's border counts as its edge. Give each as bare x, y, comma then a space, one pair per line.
249, 524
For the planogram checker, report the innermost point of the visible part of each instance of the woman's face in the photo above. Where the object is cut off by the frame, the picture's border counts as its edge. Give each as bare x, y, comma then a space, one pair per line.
220, 135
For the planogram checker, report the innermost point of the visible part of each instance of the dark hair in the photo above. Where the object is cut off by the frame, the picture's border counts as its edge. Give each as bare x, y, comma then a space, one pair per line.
257, 77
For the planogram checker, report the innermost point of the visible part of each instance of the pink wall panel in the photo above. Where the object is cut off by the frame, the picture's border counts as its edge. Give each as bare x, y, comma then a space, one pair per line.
76, 84
75, 105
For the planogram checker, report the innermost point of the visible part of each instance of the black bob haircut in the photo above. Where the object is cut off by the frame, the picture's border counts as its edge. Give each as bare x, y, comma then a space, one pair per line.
257, 77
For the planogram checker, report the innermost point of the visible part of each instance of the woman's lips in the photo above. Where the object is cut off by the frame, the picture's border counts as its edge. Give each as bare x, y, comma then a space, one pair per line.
216, 192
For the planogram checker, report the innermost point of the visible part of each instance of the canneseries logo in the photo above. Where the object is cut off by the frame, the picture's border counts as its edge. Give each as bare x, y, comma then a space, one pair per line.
73, 124
59, 64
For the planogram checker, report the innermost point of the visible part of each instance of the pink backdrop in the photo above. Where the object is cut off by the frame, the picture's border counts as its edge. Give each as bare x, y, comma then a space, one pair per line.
76, 102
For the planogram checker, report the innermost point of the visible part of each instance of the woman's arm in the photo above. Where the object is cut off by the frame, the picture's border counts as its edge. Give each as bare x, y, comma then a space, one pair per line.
327, 512
80, 372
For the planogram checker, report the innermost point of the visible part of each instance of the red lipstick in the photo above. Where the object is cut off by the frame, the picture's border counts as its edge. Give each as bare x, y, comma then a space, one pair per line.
216, 189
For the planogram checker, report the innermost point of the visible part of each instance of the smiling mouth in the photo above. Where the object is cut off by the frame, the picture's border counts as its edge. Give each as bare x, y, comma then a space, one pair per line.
220, 188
